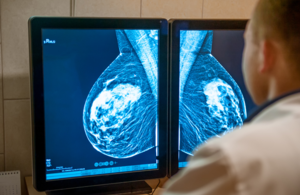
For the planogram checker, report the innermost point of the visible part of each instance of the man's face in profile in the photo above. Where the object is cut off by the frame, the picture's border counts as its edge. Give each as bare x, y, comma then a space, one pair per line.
251, 64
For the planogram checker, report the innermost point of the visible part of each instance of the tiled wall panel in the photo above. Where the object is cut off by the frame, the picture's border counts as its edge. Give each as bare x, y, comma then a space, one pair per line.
14, 17
107, 8
18, 138
228, 9
172, 8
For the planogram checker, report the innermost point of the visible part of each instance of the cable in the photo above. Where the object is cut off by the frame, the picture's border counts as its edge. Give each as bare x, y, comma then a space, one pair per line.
155, 187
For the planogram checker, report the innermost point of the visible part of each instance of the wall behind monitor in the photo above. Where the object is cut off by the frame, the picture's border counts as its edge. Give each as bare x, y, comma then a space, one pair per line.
15, 123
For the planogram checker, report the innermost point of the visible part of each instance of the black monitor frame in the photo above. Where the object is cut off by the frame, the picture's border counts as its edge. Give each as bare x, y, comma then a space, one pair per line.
36, 24
175, 26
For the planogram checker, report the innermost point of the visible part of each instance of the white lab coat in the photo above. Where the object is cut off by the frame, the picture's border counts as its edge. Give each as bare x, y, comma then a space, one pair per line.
262, 158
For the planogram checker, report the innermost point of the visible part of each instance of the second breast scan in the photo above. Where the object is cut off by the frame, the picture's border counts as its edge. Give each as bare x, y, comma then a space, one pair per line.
211, 102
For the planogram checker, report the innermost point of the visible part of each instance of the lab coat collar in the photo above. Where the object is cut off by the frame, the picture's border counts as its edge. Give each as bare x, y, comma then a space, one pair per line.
268, 104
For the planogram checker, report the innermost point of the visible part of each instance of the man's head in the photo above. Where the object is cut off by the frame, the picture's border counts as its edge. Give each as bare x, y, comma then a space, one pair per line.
271, 63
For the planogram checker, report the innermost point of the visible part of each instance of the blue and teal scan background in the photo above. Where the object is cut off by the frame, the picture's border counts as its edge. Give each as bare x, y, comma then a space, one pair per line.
213, 98
100, 93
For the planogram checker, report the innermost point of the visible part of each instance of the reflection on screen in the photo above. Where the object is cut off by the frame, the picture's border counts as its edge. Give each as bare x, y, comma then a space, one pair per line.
211, 102
100, 89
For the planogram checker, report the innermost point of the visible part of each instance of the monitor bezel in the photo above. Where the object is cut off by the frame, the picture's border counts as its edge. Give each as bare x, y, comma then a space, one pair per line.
36, 24
175, 26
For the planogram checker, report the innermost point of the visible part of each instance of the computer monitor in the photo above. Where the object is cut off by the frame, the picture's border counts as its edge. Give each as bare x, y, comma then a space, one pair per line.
99, 106
208, 95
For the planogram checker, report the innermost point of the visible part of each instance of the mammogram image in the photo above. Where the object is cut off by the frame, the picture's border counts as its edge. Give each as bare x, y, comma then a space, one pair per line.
120, 112
210, 103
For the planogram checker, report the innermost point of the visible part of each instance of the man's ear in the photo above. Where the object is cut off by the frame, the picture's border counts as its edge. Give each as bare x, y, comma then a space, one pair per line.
267, 56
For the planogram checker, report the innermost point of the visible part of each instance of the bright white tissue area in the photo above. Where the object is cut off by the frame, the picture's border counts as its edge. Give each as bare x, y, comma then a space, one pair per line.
221, 100
115, 103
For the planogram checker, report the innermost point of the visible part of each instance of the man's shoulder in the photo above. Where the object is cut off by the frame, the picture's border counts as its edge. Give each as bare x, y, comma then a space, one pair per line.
275, 125
262, 151
268, 135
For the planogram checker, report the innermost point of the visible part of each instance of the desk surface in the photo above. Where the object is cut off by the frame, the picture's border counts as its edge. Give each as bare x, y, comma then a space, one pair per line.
32, 191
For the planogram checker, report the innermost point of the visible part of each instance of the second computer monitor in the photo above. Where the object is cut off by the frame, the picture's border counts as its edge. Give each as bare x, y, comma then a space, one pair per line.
208, 94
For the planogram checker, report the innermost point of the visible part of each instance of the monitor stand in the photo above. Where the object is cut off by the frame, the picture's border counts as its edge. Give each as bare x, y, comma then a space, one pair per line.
140, 187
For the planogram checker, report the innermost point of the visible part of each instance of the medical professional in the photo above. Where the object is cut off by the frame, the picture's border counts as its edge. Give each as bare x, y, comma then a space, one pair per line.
262, 158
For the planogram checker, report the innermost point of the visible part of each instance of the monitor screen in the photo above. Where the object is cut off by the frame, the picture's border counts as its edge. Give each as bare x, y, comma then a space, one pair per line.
100, 101
213, 99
